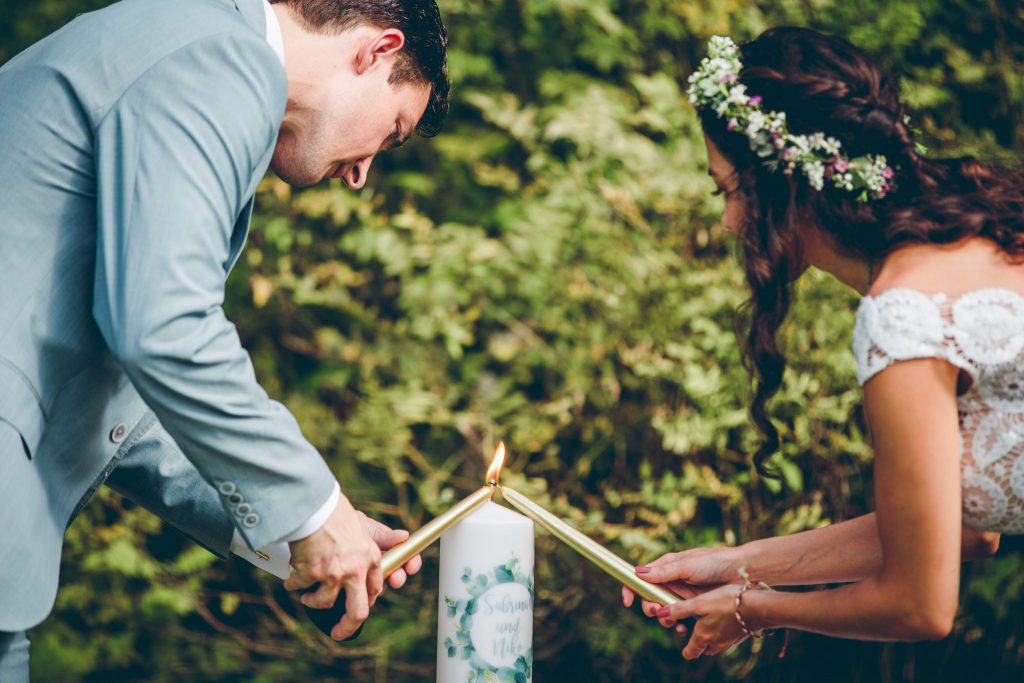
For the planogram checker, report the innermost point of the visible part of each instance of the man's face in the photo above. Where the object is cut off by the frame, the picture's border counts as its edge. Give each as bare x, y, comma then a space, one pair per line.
340, 116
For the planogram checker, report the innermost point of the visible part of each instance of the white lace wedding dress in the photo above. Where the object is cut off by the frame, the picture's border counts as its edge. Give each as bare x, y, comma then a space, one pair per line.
982, 333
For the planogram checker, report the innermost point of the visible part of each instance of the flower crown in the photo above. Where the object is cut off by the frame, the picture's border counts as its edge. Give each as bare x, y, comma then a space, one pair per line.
715, 84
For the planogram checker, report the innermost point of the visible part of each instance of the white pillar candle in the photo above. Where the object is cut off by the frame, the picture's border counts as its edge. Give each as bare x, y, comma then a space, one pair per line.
485, 602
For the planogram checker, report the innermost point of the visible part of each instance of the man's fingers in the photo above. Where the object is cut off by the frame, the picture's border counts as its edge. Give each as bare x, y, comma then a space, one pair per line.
398, 579
401, 575
357, 609
414, 565
384, 536
298, 581
324, 596
627, 597
374, 583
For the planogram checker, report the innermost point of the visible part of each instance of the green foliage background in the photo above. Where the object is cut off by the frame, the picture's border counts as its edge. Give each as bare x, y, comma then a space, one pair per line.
550, 271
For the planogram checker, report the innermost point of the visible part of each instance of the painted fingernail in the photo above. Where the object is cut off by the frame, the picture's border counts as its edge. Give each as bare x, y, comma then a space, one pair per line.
663, 612
643, 570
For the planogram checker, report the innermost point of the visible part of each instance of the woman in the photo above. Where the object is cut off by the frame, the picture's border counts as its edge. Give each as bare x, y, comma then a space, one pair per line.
809, 143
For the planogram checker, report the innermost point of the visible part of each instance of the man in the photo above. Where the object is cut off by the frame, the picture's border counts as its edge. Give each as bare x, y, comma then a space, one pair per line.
131, 144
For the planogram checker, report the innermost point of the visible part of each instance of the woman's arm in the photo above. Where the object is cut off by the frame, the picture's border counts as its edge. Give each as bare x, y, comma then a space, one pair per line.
839, 553
911, 407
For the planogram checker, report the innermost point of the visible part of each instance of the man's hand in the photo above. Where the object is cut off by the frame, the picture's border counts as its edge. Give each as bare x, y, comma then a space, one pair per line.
341, 554
387, 538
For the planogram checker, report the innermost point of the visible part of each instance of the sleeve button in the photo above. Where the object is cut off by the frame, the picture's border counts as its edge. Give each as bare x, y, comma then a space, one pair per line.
235, 498
243, 509
226, 488
118, 433
251, 520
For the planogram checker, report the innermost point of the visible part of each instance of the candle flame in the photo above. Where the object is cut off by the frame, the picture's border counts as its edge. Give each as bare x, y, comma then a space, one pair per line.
494, 471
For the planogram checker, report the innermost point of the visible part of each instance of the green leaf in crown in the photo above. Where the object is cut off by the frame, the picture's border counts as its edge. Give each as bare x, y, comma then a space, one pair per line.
462, 611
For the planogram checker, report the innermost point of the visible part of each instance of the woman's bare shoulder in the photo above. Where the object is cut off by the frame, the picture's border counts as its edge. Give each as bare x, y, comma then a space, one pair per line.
950, 269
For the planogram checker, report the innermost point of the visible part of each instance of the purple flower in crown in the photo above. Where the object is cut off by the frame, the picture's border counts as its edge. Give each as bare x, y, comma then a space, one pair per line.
841, 165
732, 124
887, 173
754, 101
788, 153
885, 188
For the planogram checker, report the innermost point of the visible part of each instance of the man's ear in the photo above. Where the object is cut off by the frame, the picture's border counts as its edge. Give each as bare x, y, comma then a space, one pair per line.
378, 49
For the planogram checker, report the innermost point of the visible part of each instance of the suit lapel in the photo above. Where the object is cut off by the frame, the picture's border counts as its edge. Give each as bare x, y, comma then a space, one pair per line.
254, 15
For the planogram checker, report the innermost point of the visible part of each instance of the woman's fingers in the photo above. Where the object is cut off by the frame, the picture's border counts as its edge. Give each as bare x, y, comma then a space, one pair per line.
650, 608
682, 609
695, 648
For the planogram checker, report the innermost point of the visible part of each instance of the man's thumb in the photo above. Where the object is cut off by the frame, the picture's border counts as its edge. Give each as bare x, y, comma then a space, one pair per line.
386, 538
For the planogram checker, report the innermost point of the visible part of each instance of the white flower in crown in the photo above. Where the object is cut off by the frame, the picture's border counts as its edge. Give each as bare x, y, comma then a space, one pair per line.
815, 172
715, 85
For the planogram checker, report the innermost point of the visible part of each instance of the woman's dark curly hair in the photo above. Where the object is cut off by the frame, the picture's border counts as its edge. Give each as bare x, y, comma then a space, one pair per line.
826, 84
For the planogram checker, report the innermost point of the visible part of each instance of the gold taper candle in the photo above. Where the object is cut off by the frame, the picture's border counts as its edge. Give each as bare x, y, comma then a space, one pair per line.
605, 559
432, 530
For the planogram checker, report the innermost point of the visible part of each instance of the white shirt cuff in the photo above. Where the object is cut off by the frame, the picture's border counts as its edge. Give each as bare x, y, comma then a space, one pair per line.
318, 519
275, 557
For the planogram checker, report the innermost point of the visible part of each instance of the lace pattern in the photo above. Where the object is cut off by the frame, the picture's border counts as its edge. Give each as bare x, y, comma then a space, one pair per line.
982, 333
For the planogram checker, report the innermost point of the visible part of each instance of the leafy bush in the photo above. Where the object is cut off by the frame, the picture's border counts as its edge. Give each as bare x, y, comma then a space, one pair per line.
549, 271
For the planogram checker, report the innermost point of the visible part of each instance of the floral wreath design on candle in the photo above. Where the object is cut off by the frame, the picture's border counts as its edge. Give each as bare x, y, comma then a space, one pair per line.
480, 671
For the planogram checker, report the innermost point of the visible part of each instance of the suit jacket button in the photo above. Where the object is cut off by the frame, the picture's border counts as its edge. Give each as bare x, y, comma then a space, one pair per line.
243, 509
226, 488
118, 433
235, 498
251, 520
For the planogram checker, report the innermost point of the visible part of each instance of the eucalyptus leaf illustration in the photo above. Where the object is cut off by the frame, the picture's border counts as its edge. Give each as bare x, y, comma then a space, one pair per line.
481, 671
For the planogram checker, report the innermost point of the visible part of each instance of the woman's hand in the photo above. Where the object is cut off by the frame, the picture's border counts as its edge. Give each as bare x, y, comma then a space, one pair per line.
687, 574
717, 628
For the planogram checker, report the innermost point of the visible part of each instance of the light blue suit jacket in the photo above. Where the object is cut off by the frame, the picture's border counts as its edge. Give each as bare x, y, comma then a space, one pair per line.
131, 144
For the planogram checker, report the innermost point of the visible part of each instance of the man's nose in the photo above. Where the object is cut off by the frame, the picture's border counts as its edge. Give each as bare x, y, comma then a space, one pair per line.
355, 178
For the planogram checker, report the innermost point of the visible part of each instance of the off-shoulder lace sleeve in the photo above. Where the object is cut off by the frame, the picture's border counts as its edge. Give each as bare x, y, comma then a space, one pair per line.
903, 324
981, 332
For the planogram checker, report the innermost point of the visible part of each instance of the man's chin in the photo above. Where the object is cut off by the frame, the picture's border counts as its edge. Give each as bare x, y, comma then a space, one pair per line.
296, 179
295, 176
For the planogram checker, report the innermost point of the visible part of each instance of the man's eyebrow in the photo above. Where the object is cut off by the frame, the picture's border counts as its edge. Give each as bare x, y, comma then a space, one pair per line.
393, 140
